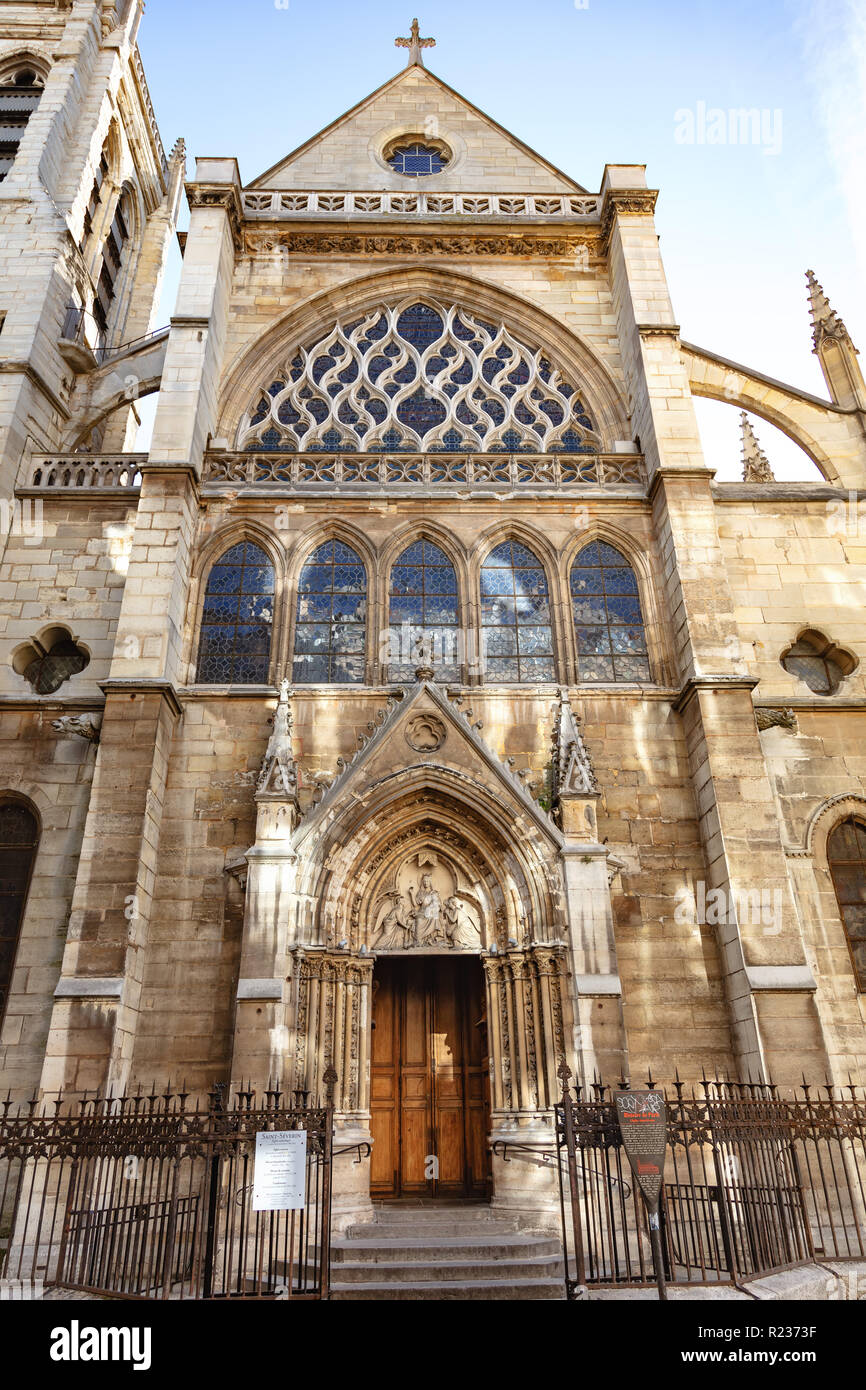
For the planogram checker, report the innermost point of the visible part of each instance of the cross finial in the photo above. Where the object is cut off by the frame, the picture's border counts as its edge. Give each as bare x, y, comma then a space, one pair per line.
415, 44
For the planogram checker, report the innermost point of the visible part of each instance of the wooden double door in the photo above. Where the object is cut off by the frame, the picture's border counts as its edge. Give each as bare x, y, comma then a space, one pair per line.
429, 1080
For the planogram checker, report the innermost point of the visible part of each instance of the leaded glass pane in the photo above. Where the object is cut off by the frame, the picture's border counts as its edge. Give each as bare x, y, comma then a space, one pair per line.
418, 377
846, 856
417, 160
19, 837
237, 619
517, 639
423, 600
608, 623
331, 626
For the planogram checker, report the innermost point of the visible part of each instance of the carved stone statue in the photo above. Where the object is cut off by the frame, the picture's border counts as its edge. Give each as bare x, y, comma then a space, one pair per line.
459, 927
427, 905
397, 931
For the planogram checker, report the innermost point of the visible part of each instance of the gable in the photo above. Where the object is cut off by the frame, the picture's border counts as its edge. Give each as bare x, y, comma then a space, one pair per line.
348, 154
425, 729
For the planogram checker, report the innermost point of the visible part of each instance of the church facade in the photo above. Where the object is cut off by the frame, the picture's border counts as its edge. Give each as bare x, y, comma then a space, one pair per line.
419, 706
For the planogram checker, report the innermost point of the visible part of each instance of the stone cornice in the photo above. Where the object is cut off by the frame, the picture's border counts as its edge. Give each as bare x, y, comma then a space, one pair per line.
697, 683
658, 330
784, 492
219, 195
325, 242
667, 470
625, 202
144, 686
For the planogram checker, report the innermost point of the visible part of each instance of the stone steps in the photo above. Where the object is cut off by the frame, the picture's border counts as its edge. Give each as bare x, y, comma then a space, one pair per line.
444, 1253
441, 1271
444, 1249
454, 1289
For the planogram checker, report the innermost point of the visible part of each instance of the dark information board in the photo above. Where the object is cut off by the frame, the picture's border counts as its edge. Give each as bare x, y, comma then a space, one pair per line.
643, 1125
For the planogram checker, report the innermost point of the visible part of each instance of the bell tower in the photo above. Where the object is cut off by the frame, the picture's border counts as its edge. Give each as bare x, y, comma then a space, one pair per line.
88, 205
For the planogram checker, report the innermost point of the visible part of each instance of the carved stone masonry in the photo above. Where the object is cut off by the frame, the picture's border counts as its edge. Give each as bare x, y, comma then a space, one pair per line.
575, 775
776, 719
756, 466
278, 779
355, 244
85, 726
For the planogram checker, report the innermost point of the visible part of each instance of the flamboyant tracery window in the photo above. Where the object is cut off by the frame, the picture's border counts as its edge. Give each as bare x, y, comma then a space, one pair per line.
516, 631
419, 378
237, 619
19, 839
846, 855
423, 600
331, 627
608, 623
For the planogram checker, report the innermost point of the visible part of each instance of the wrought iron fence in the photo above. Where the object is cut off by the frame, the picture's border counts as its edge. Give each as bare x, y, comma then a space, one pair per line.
754, 1182
150, 1196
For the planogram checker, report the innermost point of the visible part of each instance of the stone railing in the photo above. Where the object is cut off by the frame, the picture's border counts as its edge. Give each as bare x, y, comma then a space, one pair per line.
71, 472
271, 205
481, 473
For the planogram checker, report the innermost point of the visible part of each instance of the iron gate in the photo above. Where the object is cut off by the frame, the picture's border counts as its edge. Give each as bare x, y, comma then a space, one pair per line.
753, 1183
150, 1196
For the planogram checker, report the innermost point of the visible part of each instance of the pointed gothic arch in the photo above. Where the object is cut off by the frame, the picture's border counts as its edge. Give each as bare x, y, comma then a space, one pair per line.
237, 616
350, 539
20, 833
640, 561
521, 534
505, 907
427, 534
207, 554
577, 361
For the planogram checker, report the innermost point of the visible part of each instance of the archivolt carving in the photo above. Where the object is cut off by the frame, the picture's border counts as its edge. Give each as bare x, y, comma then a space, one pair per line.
353, 882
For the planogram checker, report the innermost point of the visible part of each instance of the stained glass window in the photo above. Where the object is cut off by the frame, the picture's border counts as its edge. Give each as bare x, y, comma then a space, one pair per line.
19, 837
49, 670
517, 637
608, 623
237, 619
816, 662
417, 160
846, 855
331, 628
423, 599
418, 377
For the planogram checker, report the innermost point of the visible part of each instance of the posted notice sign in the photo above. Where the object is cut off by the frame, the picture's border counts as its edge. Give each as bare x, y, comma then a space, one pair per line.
279, 1175
643, 1124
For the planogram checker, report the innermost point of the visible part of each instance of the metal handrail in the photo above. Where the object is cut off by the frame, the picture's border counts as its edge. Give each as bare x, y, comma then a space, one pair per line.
72, 332
364, 1151
549, 1159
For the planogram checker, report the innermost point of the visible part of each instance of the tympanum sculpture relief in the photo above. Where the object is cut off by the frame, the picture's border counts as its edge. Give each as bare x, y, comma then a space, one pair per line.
426, 909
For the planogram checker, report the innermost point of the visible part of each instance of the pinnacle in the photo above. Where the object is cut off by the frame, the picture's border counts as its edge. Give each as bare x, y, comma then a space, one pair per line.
756, 466
824, 317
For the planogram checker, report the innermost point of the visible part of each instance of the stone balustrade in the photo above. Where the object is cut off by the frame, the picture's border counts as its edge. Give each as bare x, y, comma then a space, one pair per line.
70, 472
479, 473
276, 205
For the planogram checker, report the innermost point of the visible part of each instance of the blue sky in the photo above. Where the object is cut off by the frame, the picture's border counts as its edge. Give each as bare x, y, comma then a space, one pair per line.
588, 84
